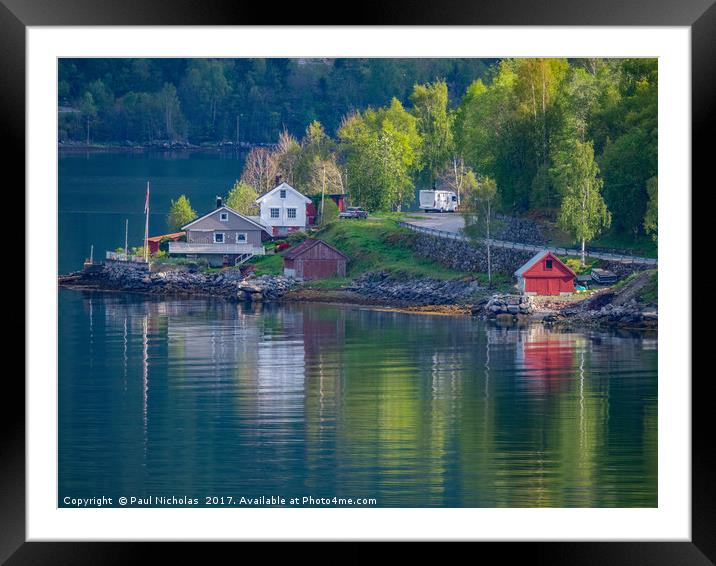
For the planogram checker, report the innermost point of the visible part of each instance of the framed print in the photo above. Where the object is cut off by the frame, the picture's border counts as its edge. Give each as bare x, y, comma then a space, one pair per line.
398, 280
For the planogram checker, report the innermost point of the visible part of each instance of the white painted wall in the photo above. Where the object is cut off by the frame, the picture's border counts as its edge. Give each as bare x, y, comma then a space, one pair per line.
292, 200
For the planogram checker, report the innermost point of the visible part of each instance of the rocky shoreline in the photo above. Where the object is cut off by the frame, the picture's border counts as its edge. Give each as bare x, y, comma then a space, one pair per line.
463, 296
136, 278
157, 145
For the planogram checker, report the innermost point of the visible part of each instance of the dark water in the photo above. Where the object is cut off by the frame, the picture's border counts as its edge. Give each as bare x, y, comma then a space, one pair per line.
198, 398
98, 191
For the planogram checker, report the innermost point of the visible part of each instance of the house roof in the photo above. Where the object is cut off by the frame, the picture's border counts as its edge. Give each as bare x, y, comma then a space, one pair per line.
306, 245
536, 258
284, 186
173, 236
232, 211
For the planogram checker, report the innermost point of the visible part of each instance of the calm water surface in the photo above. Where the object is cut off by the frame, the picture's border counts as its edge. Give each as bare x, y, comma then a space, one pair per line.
196, 398
98, 191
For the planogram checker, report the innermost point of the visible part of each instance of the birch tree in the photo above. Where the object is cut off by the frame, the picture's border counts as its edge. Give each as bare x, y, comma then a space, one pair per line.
484, 197
169, 102
434, 123
260, 170
382, 149
242, 198
180, 213
583, 212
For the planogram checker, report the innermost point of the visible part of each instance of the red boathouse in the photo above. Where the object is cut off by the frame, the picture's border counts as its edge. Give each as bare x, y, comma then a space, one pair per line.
545, 274
314, 259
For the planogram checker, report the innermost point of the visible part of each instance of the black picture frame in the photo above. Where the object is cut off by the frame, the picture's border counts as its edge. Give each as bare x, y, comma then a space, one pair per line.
699, 15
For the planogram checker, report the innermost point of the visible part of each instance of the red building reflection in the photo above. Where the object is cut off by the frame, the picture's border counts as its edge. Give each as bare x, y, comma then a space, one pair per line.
548, 359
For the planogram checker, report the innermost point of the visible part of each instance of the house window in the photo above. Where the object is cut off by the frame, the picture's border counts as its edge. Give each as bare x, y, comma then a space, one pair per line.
218, 237
241, 237
291, 212
274, 213
224, 216
548, 264
282, 193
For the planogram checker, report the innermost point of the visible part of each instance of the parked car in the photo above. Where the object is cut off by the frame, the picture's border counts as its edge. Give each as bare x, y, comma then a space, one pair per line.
353, 212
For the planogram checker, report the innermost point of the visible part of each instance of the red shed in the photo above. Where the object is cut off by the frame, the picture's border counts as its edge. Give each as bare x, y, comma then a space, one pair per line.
545, 274
310, 214
314, 259
340, 200
154, 241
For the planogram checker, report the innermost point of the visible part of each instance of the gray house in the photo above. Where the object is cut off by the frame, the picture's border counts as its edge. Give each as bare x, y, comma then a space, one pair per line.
223, 237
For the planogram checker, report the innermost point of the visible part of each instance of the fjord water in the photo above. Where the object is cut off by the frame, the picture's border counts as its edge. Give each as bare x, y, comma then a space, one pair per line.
196, 398
99, 191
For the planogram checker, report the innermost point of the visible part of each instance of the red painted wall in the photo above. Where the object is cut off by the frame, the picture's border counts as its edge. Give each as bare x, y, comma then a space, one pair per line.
543, 281
310, 214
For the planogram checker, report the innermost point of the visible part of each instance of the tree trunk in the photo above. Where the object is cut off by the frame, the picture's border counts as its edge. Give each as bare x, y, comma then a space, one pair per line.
583, 254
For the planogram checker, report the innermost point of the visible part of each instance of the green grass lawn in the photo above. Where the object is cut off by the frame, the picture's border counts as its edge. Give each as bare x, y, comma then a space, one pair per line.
643, 246
575, 264
377, 244
268, 264
381, 245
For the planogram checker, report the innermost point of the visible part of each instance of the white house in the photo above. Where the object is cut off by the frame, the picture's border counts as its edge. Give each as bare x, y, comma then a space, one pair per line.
283, 210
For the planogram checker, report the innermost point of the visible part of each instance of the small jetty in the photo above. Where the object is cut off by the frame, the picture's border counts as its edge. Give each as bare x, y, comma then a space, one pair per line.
89, 265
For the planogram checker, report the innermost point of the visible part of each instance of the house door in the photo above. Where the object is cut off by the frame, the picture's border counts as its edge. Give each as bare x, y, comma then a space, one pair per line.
553, 286
539, 286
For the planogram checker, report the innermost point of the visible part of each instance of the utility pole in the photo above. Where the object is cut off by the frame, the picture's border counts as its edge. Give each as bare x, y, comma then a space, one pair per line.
489, 259
146, 227
323, 191
126, 234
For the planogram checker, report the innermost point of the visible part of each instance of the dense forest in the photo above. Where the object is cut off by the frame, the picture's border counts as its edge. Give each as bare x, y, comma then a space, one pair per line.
575, 139
143, 100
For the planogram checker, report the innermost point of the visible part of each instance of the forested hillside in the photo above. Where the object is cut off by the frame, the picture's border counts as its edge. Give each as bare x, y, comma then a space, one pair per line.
199, 100
573, 140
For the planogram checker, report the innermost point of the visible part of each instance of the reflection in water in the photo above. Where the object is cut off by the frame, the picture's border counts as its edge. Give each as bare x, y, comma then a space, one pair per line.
198, 398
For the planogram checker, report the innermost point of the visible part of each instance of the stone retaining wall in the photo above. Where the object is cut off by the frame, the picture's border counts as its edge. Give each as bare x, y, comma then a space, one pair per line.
387, 289
466, 256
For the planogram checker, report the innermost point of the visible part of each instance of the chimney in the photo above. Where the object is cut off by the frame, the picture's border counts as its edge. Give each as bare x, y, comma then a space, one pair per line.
218, 202
278, 180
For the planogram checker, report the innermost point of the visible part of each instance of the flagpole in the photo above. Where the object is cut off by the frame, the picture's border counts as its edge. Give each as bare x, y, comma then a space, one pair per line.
146, 227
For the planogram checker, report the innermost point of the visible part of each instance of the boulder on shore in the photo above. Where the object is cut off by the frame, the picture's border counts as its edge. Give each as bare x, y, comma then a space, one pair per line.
227, 284
501, 304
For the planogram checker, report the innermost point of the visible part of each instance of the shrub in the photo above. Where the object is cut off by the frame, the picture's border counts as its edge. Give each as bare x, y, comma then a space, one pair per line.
296, 237
330, 211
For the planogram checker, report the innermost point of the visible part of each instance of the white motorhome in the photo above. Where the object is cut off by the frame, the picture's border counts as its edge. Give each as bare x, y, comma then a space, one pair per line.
438, 201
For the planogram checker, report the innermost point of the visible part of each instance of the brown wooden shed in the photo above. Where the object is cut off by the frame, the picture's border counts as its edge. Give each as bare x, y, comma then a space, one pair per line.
314, 259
